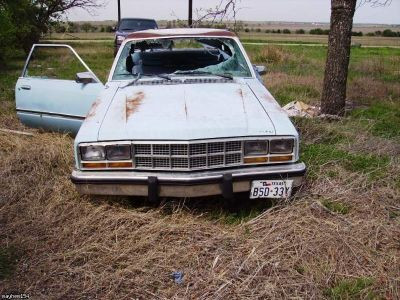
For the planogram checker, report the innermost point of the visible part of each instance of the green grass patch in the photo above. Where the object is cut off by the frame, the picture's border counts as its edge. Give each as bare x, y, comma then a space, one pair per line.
318, 155
8, 257
295, 92
319, 131
385, 117
336, 207
360, 288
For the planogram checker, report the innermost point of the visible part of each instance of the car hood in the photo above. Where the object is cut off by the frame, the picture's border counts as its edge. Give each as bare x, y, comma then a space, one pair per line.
184, 112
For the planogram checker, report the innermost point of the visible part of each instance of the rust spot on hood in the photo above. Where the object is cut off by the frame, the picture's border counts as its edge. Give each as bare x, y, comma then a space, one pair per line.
186, 112
267, 98
270, 99
240, 92
133, 103
92, 110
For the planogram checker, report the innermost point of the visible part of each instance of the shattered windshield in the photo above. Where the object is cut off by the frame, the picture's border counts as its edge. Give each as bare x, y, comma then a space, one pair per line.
181, 57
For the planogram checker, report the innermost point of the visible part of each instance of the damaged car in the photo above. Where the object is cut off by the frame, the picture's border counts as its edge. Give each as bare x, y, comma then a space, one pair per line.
184, 113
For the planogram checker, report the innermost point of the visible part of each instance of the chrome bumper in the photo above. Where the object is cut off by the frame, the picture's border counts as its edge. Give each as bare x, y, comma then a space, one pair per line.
182, 184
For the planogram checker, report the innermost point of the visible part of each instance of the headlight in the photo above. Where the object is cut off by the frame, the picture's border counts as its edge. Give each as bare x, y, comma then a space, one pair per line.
281, 146
92, 152
255, 148
120, 38
118, 152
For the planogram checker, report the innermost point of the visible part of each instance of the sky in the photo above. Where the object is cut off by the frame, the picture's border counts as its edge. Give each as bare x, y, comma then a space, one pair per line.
250, 10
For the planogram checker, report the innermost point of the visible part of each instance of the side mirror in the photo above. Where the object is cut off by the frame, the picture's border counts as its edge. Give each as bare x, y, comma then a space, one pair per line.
261, 70
85, 78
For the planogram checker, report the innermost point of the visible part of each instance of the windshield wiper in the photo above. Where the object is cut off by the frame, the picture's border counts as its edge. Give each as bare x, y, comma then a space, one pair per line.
224, 75
140, 75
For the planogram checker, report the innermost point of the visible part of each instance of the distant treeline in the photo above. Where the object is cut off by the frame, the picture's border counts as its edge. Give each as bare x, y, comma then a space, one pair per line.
320, 31
72, 27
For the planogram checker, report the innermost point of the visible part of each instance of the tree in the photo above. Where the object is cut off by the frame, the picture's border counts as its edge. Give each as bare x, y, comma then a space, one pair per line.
32, 18
333, 98
86, 27
7, 33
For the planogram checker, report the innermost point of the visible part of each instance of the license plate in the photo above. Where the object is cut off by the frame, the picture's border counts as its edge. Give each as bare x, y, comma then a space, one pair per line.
271, 189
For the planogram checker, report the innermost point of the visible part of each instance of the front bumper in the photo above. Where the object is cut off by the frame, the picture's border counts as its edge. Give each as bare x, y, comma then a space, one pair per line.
181, 184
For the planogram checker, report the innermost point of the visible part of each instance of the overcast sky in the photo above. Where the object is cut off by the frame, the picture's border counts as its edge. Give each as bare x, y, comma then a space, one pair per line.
251, 10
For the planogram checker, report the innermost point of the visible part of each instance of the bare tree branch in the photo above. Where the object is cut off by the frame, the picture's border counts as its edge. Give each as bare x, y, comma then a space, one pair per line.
225, 10
55, 8
374, 3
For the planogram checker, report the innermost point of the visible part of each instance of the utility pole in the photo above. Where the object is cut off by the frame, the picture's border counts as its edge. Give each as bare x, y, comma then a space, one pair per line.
119, 11
190, 21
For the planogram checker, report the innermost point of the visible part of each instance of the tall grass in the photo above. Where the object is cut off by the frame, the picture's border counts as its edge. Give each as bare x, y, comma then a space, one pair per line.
337, 238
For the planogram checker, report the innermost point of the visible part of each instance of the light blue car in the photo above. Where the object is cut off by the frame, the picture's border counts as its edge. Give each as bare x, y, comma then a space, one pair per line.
183, 114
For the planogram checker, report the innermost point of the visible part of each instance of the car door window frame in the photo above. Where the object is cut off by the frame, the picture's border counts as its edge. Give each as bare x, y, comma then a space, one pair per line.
23, 75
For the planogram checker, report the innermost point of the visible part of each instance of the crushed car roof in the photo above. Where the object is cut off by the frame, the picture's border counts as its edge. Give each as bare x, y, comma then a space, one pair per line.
155, 33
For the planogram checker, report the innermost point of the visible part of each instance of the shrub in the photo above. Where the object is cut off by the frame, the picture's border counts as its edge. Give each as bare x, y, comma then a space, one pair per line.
300, 31
354, 33
269, 54
317, 31
389, 33
286, 31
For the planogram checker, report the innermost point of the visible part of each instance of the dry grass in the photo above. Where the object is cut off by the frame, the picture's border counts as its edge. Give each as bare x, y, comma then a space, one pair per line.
276, 79
366, 90
73, 247
79, 247
371, 66
270, 54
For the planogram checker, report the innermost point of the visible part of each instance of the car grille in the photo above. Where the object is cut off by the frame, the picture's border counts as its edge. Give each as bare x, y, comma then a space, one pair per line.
188, 156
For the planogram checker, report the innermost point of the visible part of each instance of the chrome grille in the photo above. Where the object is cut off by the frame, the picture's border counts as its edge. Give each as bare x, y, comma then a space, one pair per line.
179, 149
143, 162
233, 146
198, 162
187, 156
143, 149
179, 163
215, 148
198, 149
233, 158
161, 149
161, 162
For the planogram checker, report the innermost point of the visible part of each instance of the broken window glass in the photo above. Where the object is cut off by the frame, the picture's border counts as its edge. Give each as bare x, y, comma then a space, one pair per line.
178, 56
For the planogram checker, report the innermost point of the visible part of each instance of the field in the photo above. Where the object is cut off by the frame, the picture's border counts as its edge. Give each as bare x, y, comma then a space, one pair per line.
337, 238
249, 37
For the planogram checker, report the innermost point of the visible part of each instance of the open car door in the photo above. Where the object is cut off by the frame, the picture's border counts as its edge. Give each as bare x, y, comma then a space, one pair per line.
56, 89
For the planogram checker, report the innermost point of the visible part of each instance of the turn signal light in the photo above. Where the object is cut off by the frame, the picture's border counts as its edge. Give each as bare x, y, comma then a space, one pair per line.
127, 164
281, 158
255, 160
94, 165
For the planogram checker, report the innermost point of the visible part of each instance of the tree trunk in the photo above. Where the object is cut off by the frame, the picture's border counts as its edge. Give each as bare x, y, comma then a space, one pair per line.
333, 99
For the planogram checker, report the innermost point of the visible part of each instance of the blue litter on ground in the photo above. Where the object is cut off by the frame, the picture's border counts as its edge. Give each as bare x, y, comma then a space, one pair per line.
178, 277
